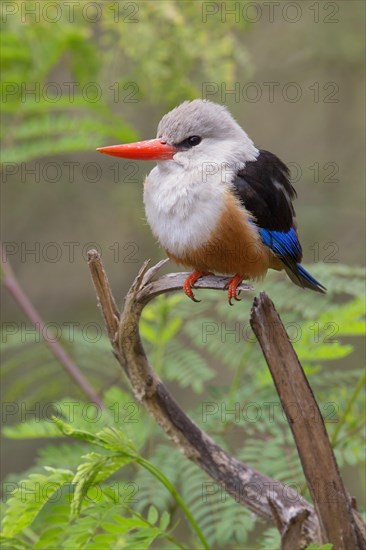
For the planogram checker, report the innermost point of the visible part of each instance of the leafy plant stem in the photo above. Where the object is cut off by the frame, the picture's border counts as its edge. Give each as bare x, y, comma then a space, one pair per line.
165, 481
177, 544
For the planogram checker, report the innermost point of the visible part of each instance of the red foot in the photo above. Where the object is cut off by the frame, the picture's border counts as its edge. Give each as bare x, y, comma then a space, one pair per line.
190, 281
232, 286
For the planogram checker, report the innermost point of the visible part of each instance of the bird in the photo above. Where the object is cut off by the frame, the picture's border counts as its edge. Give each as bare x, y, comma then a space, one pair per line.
217, 203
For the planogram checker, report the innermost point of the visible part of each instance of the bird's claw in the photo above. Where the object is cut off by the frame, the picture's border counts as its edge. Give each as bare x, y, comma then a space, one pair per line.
235, 297
192, 296
232, 286
189, 282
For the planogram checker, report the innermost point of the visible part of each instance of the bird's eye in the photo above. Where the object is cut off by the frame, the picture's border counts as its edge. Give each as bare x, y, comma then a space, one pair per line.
189, 142
193, 140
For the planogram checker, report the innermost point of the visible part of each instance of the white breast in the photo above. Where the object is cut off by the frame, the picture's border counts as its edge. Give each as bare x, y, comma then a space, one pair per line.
182, 211
185, 197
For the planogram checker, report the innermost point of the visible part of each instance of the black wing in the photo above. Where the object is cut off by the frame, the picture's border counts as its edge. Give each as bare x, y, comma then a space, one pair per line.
264, 189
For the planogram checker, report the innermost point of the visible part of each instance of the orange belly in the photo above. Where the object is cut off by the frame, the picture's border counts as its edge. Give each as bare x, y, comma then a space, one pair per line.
235, 246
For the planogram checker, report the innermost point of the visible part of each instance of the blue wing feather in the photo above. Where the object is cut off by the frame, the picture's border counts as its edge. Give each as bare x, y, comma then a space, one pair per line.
282, 244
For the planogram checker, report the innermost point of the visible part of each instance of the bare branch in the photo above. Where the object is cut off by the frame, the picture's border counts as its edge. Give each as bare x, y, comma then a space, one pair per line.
332, 503
104, 293
289, 522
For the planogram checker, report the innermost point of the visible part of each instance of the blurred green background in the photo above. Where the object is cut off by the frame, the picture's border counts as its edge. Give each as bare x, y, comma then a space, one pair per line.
80, 75
141, 65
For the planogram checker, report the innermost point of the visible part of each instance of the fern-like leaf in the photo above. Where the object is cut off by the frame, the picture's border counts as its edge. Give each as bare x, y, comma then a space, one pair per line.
30, 497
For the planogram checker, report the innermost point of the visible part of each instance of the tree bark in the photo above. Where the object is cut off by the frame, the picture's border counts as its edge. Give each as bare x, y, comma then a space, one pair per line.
332, 503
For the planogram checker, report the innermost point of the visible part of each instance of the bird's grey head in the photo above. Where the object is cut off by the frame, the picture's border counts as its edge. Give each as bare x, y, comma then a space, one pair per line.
204, 131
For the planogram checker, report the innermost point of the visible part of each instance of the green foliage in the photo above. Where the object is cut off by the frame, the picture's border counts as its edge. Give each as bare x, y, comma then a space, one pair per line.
27, 362
86, 520
103, 525
42, 117
30, 497
188, 369
166, 29
271, 539
322, 547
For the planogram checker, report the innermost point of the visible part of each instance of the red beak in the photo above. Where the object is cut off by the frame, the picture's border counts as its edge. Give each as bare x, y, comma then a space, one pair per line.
152, 149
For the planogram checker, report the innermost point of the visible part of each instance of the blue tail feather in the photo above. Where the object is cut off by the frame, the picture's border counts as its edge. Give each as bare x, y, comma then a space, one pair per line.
303, 278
